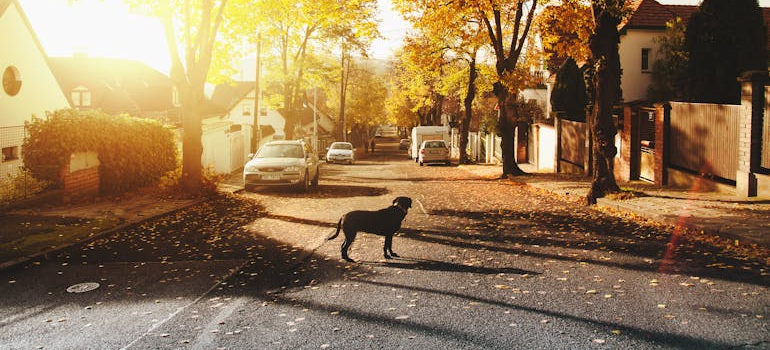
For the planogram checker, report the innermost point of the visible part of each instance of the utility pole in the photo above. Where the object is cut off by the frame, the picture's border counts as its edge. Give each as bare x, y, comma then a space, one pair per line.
343, 90
256, 137
315, 119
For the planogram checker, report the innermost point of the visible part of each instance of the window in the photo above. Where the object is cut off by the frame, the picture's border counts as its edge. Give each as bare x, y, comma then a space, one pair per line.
11, 81
646, 59
81, 97
248, 107
10, 153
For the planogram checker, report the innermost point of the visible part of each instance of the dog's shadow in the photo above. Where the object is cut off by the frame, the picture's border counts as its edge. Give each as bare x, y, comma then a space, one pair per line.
433, 265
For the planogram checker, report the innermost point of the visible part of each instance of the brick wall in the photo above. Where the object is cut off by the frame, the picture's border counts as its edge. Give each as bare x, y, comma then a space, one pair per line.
661, 137
80, 177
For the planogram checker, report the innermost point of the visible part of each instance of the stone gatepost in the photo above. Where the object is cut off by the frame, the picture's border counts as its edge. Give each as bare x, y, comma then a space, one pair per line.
662, 137
750, 131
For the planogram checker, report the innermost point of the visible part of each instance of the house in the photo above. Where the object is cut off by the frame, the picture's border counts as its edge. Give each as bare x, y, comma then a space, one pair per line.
638, 49
117, 86
29, 87
323, 126
237, 99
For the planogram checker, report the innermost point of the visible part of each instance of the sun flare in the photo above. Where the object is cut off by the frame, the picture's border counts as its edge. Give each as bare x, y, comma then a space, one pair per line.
97, 28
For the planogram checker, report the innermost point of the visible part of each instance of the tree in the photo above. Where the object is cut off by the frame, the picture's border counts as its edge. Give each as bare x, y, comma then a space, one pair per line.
366, 105
724, 38
565, 29
195, 39
365, 102
294, 26
569, 92
605, 61
416, 77
669, 71
507, 25
456, 36
507, 57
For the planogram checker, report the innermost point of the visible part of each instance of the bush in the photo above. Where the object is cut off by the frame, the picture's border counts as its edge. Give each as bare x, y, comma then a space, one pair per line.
133, 152
19, 185
724, 38
569, 94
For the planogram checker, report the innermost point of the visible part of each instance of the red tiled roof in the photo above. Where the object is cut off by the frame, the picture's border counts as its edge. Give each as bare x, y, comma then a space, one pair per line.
648, 14
683, 11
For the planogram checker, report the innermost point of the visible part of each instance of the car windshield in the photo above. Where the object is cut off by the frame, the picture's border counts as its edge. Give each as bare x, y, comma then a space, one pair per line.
342, 146
434, 144
280, 151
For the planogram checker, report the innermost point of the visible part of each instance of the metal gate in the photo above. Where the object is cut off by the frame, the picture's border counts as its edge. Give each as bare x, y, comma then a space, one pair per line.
646, 161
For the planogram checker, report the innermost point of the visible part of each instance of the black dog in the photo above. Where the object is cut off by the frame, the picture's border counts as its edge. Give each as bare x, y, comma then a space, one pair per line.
384, 222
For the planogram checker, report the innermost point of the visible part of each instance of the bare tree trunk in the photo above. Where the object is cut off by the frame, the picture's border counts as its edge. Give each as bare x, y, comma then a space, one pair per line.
468, 103
604, 50
192, 146
506, 127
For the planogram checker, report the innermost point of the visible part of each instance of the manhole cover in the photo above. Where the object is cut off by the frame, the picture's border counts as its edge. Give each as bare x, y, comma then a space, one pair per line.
83, 287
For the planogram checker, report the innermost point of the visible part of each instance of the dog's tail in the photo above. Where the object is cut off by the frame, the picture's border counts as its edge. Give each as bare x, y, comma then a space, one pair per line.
339, 225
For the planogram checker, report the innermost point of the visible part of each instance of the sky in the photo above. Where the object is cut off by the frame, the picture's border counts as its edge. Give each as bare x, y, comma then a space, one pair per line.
107, 29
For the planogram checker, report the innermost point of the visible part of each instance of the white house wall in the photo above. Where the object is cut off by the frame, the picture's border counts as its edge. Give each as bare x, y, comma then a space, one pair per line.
40, 92
216, 147
634, 82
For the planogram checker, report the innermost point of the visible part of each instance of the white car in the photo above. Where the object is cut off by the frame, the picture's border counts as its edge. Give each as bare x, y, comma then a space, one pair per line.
340, 152
283, 163
434, 151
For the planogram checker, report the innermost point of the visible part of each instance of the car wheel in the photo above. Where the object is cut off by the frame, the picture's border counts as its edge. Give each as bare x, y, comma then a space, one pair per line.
315, 178
304, 184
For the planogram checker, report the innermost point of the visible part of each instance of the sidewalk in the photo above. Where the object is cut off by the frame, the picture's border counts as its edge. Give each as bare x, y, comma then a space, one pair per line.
724, 215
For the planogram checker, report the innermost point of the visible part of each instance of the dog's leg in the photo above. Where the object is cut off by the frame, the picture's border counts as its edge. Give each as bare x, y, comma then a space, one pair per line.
388, 247
349, 237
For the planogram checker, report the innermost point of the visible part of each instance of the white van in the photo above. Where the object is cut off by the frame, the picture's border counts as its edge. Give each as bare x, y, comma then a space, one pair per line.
422, 133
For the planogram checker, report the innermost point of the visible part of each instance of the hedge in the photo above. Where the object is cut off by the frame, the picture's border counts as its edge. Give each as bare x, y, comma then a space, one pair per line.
133, 152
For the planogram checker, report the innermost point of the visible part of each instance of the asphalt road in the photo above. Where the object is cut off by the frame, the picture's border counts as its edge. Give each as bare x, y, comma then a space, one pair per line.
485, 263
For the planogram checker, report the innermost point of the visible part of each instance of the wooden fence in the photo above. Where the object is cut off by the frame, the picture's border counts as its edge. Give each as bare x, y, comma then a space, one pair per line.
704, 138
572, 142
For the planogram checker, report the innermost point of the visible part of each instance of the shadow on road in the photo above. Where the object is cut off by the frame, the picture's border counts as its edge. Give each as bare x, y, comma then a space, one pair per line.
433, 265
325, 191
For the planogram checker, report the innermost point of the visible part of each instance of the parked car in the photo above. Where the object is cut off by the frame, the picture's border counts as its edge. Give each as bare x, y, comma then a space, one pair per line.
433, 151
404, 144
283, 163
340, 152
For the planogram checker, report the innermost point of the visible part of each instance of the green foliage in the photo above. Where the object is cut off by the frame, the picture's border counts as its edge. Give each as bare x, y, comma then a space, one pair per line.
527, 111
569, 93
724, 38
133, 152
669, 72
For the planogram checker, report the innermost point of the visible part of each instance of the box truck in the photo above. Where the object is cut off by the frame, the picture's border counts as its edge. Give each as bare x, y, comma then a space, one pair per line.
422, 133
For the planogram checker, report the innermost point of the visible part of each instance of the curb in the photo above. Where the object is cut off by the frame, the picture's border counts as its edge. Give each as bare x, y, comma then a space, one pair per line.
6, 265
706, 229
